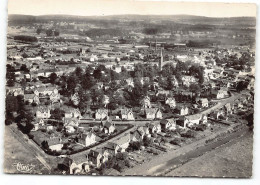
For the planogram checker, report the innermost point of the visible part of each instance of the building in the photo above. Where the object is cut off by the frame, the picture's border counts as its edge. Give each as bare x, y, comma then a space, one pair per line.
31, 98
168, 124
127, 114
153, 113
43, 112
75, 98
88, 139
146, 102
101, 114
71, 122
154, 127
171, 102
182, 111
72, 113
108, 126
203, 102
94, 158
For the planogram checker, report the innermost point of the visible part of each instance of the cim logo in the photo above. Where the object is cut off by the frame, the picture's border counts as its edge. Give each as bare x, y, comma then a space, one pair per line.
24, 168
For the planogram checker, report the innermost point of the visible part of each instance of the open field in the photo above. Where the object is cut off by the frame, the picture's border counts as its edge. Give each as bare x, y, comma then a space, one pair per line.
222, 162
15, 152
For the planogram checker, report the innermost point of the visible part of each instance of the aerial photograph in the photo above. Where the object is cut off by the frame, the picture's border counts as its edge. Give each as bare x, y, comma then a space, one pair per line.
129, 88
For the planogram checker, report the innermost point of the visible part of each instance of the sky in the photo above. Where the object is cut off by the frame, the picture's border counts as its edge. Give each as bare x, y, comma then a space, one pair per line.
113, 7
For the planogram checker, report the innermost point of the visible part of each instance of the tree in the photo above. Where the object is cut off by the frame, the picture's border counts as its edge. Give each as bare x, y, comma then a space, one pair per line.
194, 88
170, 85
23, 84
71, 84
49, 32
241, 85
98, 72
24, 68
53, 77
45, 145
57, 114
38, 31
56, 33
78, 72
10, 76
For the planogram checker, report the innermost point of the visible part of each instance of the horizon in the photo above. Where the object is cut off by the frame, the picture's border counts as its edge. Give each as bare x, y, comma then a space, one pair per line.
130, 7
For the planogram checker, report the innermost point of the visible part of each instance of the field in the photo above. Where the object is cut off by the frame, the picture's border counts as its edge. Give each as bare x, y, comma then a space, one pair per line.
15, 152
222, 162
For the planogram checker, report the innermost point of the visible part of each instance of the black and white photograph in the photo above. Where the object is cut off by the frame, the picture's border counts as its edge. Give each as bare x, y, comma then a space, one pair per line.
130, 88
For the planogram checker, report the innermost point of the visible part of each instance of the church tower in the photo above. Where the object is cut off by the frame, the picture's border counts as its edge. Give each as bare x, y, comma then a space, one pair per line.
161, 60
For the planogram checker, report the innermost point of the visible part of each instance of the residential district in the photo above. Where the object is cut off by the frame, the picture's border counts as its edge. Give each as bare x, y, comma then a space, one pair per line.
108, 105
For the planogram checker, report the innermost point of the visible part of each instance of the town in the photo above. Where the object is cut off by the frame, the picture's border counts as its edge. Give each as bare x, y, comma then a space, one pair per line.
99, 101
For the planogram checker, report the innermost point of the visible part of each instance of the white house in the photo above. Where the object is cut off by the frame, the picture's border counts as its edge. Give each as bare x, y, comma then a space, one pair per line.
153, 113
127, 114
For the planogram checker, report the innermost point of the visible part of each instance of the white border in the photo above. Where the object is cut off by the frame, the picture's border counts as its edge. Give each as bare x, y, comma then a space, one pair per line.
71, 180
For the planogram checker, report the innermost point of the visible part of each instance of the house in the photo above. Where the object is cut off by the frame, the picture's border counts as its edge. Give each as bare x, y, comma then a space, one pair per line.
251, 84
108, 126
105, 100
204, 119
127, 114
217, 115
203, 102
55, 143
154, 127
94, 158
136, 136
182, 122
182, 111
101, 114
75, 98
70, 129
228, 108
130, 82
187, 80
163, 92
55, 97
45, 91
220, 94
88, 139
168, 124
72, 113
43, 112
65, 164
79, 165
144, 131
38, 123
18, 91
146, 102
153, 113
171, 102
193, 119
31, 98
123, 142
112, 148
74, 122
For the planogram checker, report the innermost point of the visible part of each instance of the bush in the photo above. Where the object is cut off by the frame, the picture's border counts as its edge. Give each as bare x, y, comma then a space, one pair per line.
26, 38
176, 142
188, 134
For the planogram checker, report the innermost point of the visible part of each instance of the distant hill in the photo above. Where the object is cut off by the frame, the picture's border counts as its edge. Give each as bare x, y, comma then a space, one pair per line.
183, 19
